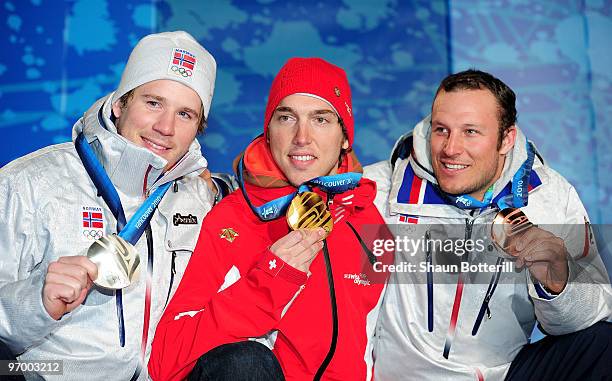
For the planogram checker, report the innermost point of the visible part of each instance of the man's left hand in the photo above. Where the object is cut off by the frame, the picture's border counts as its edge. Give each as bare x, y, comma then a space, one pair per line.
545, 255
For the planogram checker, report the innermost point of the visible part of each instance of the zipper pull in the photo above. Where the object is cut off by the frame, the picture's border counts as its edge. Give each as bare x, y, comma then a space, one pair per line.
173, 267
427, 239
330, 199
145, 186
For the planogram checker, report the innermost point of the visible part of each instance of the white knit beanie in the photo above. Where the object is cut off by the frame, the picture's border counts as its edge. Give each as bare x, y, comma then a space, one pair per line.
170, 55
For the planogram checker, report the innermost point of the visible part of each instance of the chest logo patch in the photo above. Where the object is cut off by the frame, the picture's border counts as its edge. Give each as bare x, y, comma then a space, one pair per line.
229, 234
358, 279
92, 223
189, 219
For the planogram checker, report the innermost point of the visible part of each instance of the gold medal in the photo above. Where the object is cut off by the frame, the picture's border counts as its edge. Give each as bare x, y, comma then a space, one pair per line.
117, 260
507, 224
308, 211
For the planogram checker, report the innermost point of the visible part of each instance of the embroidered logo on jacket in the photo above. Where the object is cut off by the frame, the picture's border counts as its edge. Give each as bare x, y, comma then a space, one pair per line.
407, 219
189, 219
92, 223
358, 279
229, 234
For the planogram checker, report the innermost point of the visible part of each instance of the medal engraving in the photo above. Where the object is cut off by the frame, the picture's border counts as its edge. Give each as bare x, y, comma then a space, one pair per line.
308, 211
117, 260
507, 225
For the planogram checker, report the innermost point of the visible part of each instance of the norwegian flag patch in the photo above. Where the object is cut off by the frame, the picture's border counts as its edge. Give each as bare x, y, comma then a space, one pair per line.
407, 219
93, 220
182, 63
92, 223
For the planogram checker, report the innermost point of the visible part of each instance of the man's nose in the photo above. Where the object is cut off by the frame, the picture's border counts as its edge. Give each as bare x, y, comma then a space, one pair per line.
302, 134
165, 124
453, 145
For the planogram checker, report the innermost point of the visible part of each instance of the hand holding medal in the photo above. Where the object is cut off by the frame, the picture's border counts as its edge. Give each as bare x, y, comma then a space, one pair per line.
67, 282
540, 251
310, 221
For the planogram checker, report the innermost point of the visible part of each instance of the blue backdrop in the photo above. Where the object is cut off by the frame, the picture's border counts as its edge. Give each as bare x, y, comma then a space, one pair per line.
60, 56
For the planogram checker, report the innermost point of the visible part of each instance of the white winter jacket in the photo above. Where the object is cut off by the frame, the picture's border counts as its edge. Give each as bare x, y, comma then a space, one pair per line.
476, 348
49, 208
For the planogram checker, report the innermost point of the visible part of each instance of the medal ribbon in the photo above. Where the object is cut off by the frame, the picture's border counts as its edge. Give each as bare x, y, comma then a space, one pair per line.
272, 210
130, 231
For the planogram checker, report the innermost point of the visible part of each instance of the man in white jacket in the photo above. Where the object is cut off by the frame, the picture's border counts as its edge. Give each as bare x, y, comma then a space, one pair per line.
136, 141
462, 304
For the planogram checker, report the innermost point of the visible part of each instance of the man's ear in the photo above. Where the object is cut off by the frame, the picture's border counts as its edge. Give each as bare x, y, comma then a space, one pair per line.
508, 140
117, 108
345, 144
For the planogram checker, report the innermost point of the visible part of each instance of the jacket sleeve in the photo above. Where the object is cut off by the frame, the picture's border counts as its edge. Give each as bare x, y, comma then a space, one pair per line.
23, 263
215, 304
587, 297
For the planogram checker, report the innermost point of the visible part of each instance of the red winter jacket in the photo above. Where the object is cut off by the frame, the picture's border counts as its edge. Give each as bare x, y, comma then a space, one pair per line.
211, 307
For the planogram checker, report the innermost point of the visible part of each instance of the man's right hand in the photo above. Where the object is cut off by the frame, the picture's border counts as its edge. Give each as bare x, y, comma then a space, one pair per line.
300, 247
66, 285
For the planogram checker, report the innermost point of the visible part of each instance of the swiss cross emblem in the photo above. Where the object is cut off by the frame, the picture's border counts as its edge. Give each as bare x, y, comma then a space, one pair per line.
272, 264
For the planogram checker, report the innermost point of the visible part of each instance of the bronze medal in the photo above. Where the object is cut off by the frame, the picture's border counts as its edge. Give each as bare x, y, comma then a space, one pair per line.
507, 225
308, 211
117, 260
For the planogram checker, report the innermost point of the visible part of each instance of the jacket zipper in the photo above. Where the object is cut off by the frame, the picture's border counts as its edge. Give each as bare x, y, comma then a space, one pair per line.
484, 307
450, 336
430, 305
334, 307
172, 274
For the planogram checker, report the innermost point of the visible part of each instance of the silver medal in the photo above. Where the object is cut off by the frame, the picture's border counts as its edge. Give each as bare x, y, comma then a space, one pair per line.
117, 260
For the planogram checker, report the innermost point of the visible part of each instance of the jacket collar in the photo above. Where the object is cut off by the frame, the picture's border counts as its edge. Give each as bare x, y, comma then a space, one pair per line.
133, 170
411, 157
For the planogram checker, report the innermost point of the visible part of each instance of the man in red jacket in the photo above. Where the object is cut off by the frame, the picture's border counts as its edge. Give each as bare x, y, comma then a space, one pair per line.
251, 277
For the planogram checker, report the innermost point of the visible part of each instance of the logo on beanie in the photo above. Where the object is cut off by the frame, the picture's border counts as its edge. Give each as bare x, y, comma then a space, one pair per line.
337, 91
182, 63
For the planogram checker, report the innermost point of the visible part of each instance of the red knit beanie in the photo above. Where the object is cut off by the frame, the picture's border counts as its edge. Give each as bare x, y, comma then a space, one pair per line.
313, 76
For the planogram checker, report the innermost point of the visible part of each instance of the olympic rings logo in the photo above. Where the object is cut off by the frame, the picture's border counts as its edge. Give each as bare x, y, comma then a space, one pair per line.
182, 71
93, 233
